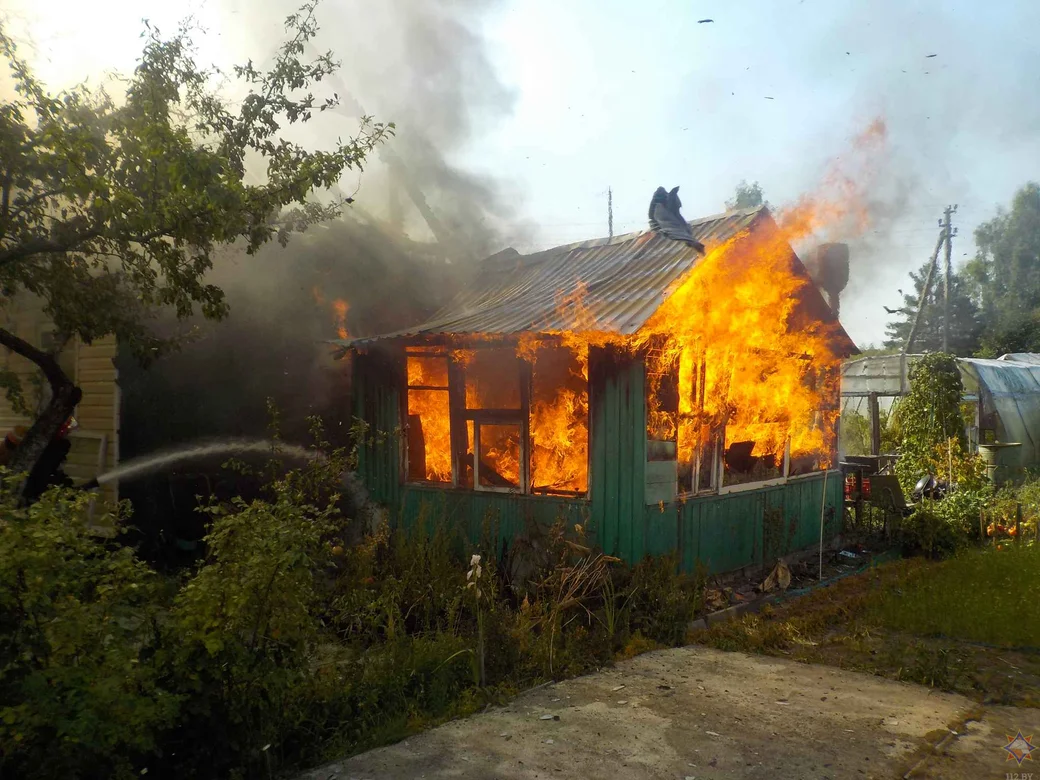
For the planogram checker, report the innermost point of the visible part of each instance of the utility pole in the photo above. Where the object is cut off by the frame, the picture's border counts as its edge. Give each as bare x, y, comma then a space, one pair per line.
948, 234
610, 212
926, 290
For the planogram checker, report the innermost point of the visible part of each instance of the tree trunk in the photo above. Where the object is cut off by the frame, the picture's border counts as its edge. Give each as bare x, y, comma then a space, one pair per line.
64, 398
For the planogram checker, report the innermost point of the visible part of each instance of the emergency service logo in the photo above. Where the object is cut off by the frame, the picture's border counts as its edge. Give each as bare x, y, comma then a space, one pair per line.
1019, 748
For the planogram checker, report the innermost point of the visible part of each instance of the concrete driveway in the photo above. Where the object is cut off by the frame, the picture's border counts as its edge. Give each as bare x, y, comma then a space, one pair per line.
700, 713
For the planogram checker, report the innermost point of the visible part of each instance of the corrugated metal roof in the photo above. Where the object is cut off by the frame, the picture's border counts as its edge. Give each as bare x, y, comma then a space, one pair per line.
625, 280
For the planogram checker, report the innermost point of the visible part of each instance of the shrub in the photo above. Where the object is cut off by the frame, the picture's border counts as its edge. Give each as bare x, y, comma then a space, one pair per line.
664, 602
281, 648
929, 416
80, 695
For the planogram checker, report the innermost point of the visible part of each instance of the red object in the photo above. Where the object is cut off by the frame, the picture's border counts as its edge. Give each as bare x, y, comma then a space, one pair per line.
70, 425
865, 488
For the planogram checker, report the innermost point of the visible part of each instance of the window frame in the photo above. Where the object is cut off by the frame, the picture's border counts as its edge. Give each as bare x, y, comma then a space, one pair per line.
422, 352
460, 416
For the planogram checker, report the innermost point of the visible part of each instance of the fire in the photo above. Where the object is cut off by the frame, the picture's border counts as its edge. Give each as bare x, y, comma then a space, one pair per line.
736, 367
743, 363
429, 417
339, 309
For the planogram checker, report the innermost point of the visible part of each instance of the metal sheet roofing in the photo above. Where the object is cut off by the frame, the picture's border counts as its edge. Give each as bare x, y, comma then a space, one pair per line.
620, 282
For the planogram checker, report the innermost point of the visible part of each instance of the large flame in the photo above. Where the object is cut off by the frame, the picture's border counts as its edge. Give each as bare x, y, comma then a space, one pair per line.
737, 360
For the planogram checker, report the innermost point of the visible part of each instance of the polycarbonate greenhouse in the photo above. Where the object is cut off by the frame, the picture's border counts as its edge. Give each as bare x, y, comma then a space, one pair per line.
1004, 394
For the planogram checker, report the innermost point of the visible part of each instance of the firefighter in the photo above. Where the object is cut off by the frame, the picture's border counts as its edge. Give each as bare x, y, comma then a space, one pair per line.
47, 471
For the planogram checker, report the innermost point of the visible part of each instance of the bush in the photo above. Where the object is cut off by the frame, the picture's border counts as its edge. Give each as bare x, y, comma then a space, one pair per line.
282, 649
929, 416
80, 694
664, 603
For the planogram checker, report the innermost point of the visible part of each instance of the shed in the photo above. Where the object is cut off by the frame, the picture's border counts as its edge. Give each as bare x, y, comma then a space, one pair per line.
666, 397
1003, 395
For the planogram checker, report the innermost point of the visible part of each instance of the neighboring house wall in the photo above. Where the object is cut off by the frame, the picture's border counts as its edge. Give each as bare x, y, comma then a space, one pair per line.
95, 444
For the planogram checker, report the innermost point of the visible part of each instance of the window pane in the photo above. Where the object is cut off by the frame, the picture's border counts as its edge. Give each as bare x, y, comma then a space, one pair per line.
662, 393
559, 422
428, 371
429, 426
753, 453
492, 379
500, 456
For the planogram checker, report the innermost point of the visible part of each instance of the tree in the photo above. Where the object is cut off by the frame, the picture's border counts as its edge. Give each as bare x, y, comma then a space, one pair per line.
1005, 275
965, 326
747, 196
929, 415
110, 210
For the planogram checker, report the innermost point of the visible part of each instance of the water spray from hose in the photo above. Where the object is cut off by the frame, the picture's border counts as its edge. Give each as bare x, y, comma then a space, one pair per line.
371, 513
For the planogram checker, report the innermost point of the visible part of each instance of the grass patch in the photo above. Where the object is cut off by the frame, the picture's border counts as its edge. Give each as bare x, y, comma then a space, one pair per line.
978, 596
967, 624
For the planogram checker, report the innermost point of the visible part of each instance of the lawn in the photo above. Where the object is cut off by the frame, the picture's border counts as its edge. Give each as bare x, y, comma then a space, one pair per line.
985, 596
969, 624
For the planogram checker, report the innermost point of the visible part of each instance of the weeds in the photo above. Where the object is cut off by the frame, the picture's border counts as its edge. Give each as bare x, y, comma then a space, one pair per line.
288, 645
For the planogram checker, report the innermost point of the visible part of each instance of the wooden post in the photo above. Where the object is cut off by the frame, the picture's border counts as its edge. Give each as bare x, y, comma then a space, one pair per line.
949, 233
823, 512
874, 410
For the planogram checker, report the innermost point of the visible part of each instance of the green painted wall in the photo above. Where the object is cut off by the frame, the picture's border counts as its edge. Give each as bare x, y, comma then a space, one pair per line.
618, 460
723, 532
748, 528
377, 401
466, 512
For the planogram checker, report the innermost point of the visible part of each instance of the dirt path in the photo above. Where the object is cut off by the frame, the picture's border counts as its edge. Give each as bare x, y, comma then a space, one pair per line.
700, 713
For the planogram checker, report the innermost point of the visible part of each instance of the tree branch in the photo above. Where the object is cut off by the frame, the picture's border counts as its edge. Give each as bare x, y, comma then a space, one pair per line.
47, 364
46, 246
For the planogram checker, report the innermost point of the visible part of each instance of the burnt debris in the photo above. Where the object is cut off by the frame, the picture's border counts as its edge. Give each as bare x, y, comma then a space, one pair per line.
666, 218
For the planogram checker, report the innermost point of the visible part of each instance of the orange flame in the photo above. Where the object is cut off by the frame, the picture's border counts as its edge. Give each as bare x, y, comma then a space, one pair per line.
736, 348
339, 311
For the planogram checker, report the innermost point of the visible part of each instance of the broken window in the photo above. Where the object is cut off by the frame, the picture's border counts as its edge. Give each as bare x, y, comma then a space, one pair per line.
428, 440
492, 421
559, 421
661, 390
498, 455
754, 452
814, 432
495, 411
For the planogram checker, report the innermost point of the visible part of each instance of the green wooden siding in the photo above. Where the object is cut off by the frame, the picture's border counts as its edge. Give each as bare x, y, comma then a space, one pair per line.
722, 532
735, 530
467, 512
618, 441
377, 401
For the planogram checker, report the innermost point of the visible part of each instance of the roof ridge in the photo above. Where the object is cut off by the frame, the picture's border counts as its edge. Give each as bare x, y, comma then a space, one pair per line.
590, 243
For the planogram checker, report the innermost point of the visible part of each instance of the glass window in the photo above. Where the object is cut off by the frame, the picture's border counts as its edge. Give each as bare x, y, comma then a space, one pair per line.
429, 419
484, 419
559, 422
499, 456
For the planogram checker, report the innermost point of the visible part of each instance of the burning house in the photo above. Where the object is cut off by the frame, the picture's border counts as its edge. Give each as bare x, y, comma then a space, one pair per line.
671, 389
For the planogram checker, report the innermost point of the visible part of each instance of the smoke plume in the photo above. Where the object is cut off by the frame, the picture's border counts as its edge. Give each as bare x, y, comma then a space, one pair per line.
395, 256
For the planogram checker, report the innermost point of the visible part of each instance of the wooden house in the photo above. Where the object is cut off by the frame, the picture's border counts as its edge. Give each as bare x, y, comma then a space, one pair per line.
623, 384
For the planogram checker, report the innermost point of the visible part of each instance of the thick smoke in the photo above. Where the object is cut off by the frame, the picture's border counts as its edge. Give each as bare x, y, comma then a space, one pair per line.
423, 67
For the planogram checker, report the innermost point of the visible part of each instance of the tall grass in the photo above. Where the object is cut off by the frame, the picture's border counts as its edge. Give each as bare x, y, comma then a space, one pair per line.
988, 596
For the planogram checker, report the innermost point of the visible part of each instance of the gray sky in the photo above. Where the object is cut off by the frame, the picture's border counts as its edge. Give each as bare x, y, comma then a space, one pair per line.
633, 95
